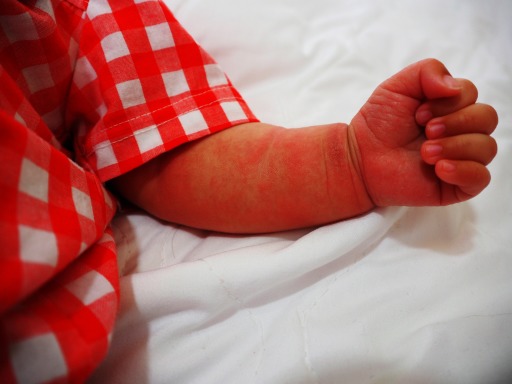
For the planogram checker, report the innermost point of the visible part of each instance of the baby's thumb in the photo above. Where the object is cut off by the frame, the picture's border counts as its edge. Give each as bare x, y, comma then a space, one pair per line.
436, 81
424, 80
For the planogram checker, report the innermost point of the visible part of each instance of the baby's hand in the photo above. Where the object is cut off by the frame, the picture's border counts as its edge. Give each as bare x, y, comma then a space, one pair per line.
420, 139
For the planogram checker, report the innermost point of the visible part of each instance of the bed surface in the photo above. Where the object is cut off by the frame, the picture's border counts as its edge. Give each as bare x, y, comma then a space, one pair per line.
400, 295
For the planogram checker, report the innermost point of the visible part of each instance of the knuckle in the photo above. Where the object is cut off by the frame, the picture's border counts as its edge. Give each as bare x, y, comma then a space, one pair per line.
493, 116
493, 149
466, 119
488, 116
485, 148
470, 90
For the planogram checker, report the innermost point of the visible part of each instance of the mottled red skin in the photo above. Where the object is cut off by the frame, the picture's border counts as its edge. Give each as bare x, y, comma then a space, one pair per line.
420, 139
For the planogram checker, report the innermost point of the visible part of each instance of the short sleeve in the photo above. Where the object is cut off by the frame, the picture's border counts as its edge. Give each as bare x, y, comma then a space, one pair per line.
142, 86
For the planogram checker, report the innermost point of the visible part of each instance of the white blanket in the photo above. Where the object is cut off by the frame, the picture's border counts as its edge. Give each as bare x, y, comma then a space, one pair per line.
400, 295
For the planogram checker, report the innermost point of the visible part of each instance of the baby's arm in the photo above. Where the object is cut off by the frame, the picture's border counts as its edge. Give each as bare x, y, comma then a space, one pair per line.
262, 178
253, 177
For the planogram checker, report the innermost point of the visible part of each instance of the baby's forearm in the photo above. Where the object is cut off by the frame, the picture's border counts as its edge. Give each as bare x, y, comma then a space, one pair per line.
253, 178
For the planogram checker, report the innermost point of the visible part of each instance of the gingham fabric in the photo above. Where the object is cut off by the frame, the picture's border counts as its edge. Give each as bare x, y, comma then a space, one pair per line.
88, 91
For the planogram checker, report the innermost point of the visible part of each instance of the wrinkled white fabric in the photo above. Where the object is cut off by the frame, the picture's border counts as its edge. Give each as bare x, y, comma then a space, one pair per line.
401, 295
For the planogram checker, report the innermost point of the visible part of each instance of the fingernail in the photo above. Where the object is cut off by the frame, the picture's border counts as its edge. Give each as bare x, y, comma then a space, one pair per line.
433, 149
436, 130
423, 117
448, 166
450, 82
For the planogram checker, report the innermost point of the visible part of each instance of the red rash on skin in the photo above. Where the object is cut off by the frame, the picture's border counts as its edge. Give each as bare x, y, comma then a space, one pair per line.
257, 177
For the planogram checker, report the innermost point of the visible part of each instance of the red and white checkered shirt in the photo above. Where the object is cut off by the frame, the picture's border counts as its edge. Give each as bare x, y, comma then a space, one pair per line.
89, 89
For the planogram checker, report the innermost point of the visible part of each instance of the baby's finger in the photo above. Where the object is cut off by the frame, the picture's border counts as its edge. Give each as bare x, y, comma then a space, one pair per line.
473, 146
469, 177
475, 118
440, 107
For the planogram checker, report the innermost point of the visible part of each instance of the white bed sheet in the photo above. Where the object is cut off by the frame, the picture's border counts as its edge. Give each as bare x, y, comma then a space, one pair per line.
400, 295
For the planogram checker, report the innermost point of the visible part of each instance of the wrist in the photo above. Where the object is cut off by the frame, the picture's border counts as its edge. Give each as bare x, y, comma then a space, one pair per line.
343, 158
